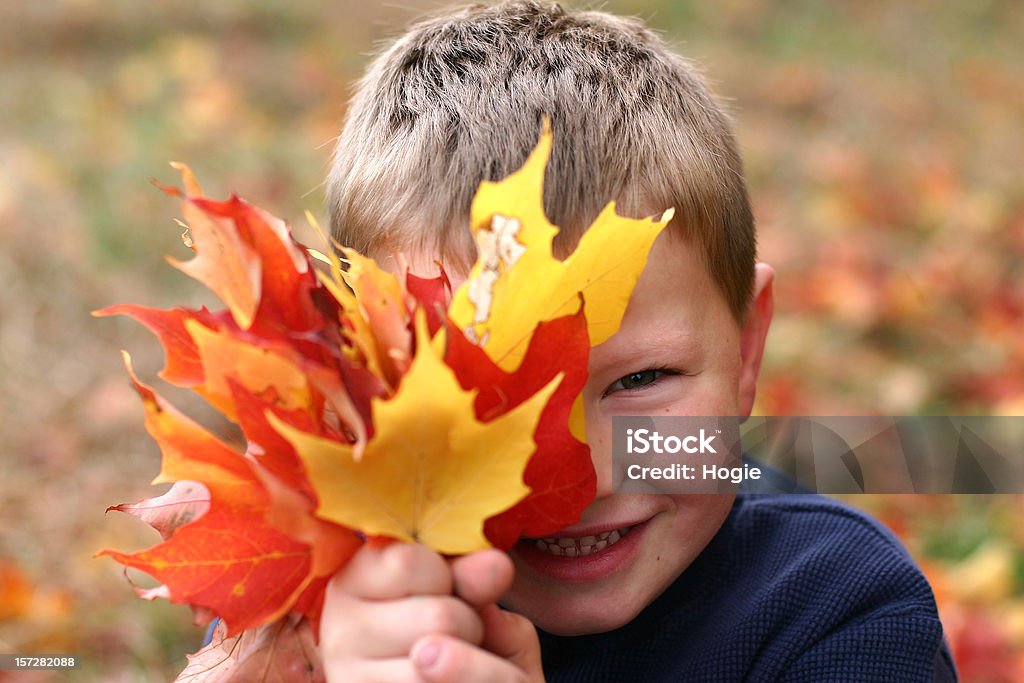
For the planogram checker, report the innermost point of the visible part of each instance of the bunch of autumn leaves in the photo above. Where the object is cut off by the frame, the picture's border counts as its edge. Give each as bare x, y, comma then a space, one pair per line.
371, 405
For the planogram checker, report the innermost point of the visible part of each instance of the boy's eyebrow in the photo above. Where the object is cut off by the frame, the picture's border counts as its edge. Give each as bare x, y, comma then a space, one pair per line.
671, 344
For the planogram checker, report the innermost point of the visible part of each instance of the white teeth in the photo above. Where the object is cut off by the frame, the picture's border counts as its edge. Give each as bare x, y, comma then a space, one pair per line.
573, 547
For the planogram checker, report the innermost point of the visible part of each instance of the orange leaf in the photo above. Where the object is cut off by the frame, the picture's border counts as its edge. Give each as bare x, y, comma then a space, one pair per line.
223, 262
247, 573
261, 368
379, 321
183, 366
232, 559
287, 299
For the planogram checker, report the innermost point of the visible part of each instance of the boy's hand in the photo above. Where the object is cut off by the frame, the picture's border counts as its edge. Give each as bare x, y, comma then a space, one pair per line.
401, 613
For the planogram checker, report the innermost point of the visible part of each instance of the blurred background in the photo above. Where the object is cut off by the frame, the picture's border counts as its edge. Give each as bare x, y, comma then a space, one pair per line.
883, 144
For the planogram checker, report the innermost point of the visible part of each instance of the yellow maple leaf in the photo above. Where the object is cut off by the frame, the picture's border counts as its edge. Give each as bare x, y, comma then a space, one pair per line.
517, 282
432, 473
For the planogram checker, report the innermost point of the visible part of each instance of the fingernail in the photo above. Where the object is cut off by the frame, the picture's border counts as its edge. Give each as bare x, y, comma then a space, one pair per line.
426, 655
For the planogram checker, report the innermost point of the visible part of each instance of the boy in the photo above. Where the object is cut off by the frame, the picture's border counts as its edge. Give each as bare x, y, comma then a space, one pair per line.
659, 587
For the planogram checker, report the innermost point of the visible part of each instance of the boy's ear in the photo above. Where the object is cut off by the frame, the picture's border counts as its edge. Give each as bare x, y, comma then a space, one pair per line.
752, 336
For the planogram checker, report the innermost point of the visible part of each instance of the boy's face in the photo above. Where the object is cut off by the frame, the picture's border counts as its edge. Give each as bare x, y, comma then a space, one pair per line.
679, 351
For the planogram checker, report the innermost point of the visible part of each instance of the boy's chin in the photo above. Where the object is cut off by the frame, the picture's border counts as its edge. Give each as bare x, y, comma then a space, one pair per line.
582, 620
579, 615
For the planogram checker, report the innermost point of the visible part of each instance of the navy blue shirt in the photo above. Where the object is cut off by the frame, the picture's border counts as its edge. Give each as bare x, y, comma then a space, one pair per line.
794, 589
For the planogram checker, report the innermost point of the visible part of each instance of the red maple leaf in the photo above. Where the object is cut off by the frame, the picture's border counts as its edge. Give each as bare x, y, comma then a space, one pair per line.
560, 474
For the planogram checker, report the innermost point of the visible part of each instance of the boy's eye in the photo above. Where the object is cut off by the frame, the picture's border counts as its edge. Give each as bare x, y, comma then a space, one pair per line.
635, 380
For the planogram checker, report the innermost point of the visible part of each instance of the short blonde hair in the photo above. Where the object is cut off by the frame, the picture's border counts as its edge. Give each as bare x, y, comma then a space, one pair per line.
460, 99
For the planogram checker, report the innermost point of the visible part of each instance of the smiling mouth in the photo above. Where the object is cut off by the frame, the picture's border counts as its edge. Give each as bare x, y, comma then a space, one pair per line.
578, 547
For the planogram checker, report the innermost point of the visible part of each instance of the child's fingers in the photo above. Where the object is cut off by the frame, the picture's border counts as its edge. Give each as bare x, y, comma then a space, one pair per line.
390, 628
513, 637
442, 659
482, 577
394, 571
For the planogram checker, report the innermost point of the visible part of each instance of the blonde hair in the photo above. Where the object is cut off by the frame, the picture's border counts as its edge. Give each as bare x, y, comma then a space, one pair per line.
460, 99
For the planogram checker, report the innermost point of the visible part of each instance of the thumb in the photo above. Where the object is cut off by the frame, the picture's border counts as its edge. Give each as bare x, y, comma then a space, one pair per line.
514, 638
